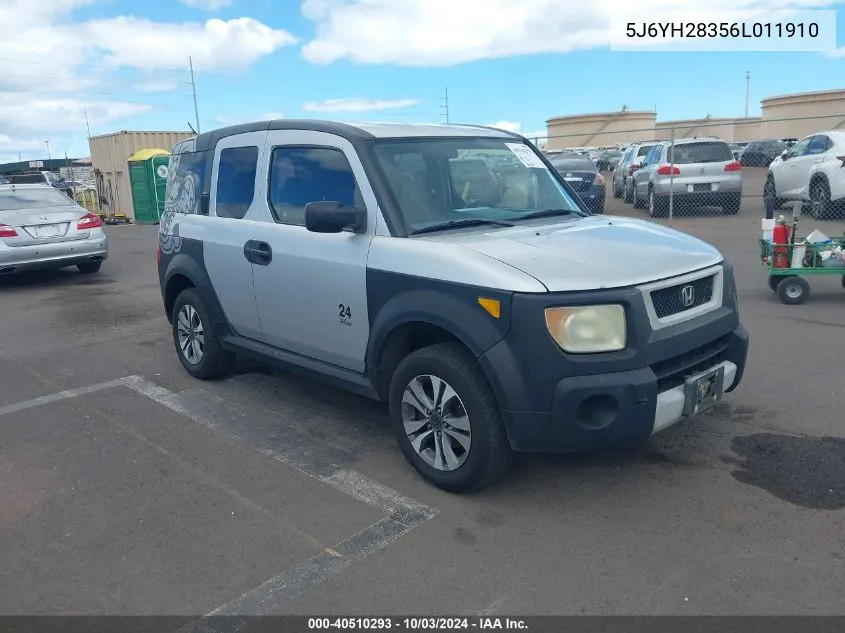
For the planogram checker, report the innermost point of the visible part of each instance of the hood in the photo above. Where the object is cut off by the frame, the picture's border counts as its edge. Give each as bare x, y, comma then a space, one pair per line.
591, 252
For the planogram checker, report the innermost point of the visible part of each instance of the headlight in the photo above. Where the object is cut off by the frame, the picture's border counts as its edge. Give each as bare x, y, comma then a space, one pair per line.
588, 329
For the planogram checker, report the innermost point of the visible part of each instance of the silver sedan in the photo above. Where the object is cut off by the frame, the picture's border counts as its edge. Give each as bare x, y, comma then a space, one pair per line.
42, 228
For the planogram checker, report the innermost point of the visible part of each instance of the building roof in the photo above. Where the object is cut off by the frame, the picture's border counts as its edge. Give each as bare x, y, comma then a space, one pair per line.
48, 165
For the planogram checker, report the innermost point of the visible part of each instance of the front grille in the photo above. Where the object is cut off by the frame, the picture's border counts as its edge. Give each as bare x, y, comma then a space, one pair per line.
682, 297
673, 371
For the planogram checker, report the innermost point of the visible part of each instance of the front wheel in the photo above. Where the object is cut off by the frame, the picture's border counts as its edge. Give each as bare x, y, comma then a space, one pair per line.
627, 192
820, 201
196, 342
637, 201
447, 421
793, 290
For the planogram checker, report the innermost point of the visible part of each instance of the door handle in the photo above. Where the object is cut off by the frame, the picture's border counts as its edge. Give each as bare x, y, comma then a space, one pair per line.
258, 253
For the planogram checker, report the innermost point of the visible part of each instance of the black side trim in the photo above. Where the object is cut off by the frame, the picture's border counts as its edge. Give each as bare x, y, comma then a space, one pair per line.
302, 365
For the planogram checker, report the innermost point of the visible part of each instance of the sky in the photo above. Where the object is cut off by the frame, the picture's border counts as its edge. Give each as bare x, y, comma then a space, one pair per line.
507, 63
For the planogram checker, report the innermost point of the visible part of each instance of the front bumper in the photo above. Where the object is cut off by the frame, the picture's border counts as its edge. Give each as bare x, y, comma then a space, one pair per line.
555, 403
55, 255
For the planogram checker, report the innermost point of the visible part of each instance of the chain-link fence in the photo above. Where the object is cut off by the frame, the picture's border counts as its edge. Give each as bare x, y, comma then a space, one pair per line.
712, 166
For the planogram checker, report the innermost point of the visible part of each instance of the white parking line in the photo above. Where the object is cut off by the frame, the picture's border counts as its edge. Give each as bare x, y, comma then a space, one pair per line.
274, 596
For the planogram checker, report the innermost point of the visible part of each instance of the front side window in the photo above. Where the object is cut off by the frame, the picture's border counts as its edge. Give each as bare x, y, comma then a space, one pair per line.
800, 148
236, 181
299, 175
437, 181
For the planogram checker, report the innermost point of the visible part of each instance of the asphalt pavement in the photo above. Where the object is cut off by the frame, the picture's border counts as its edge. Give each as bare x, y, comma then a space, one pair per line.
128, 487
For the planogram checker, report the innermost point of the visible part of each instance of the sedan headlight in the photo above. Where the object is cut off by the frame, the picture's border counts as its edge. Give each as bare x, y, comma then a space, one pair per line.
588, 329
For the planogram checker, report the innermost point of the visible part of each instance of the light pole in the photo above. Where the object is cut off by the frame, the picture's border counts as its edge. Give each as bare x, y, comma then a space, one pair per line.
747, 86
50, 158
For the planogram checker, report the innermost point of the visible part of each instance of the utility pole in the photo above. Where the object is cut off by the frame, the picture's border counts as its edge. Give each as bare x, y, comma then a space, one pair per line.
87, 125
194, 90
445, 105
50, 158
747, 86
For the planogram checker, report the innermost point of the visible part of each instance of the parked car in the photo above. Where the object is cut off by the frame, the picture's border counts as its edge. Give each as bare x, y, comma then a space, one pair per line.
42, 178
737, 149
528, 326
811, 171
608, 160
630, 161
762, 153
41, 228
699, 172
583, 176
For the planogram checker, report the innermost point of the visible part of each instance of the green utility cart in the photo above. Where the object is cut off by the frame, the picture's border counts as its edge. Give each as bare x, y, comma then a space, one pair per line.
788, 281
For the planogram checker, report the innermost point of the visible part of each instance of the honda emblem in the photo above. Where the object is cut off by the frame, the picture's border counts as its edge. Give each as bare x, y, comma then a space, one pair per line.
687, 296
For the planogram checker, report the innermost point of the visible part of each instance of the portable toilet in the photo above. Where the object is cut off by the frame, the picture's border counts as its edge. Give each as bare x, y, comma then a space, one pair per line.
148, 178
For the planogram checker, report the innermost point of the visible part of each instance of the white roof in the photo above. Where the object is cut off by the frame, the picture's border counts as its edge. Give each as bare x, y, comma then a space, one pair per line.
383, 129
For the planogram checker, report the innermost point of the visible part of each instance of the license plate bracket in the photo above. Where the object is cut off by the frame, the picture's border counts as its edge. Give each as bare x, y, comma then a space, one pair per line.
703, 390
47, 230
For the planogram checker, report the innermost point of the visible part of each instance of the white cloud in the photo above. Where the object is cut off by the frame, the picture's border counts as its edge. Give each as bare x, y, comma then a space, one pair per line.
207, 5
216, 45
514, 126
445, 32
54, 65
358, 104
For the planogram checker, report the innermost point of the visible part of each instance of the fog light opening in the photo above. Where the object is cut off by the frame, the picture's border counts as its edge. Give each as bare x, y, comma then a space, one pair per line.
597, 412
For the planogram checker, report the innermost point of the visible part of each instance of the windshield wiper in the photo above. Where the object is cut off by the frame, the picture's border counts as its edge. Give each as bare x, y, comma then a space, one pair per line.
547, 213
452, 224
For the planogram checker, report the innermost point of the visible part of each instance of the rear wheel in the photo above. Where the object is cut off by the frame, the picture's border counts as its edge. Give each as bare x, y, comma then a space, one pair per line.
657, 208
793, 290
446, 418
196, 342
89, 268
820, 204
627, 191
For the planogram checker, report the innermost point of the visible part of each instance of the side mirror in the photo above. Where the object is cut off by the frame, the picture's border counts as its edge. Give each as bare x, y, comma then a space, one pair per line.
784, 153
331, 217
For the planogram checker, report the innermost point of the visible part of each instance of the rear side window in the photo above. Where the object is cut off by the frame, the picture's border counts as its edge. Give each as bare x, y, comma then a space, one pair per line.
701, 153
236, 181
644, 149
299, 175
185, 177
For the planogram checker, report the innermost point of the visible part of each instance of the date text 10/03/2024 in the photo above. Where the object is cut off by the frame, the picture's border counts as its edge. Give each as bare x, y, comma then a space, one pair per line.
721, 29
417, 624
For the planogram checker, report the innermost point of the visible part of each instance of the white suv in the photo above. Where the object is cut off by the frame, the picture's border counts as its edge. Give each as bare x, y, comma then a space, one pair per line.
811, 171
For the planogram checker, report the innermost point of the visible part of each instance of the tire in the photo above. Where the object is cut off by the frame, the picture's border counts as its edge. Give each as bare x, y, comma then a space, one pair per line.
205, 359
617, 191
89, 268
488, 454
731, 205
793, 290
627, 192
638, 204
770, 192
820, 205
774, 280
843, 281
656, 208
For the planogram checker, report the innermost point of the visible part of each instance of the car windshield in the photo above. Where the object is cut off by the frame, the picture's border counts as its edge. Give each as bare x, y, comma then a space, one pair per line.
18, 199
438, 181
572, 162
700, 153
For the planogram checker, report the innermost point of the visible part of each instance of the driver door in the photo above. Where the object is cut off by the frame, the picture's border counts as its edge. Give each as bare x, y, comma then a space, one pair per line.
795, 170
